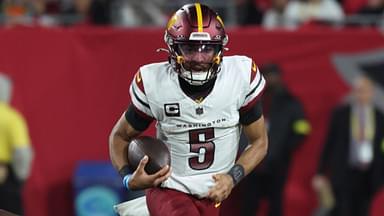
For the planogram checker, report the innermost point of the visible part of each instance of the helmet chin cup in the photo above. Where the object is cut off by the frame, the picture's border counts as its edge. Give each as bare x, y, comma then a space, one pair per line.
195, 78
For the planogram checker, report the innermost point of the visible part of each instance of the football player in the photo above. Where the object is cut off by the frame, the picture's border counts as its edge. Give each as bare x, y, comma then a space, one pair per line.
200, 101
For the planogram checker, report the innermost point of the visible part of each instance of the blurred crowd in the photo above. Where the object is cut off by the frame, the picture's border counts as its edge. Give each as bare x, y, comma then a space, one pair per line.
130, 13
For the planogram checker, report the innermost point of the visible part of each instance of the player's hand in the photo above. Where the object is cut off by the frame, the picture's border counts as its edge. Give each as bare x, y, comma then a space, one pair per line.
222, 188
141, 180
325, 196
319, 182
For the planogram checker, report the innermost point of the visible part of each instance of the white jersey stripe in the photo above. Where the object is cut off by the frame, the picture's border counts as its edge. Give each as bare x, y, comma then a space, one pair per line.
256, 80
142, 100
141, 95
259, 83
140, 103
255, 92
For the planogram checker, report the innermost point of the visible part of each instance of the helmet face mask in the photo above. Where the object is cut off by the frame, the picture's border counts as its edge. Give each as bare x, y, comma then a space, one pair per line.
198, 57
196, 38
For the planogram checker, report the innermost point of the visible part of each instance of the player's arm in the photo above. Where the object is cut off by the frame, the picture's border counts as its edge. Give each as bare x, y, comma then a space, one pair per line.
253, 127
252, 120
257, 148
119, 139
136, 119
130, 125
22, 154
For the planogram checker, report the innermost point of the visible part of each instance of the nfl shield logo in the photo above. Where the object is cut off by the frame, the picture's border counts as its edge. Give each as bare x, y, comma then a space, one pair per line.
199, 110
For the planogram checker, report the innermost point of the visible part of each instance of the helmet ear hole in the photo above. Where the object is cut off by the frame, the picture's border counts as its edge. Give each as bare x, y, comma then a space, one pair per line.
217, 59
179, 59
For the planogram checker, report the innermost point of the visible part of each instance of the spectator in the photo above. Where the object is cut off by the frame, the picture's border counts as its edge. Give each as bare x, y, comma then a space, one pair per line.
287, 126
373, 7
16, 12
139, 13
372, 12
274, 16
352, 161
248, 13
352, 6
45, 12
15, 151
299, 12
88, 12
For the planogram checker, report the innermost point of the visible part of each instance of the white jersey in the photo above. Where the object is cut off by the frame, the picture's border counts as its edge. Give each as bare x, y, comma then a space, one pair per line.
202, 136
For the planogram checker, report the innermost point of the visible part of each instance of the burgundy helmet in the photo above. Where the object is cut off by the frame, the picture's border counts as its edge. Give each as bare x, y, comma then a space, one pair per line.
196, 38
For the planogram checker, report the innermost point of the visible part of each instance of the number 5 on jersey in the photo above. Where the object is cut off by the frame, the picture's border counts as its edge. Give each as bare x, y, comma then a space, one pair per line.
200, 143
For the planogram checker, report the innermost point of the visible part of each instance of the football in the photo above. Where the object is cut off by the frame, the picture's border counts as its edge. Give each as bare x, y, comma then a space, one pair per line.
156, 150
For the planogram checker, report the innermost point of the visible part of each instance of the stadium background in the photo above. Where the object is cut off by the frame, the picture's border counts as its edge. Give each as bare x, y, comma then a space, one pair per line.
72, 83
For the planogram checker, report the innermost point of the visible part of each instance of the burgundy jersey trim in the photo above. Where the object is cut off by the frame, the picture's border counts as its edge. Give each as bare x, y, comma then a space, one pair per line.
139, 81
253, 72
252, 102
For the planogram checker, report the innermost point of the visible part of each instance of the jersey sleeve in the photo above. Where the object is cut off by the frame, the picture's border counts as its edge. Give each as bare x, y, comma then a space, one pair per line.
18, 132
254, 90
139, 98
138, 122
252, 114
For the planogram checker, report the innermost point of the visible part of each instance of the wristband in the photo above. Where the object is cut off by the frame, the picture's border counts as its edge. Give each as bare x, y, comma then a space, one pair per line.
125, 170
126, 180
237, 173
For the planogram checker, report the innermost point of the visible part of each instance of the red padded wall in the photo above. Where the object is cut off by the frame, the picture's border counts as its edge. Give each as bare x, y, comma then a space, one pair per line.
72, 85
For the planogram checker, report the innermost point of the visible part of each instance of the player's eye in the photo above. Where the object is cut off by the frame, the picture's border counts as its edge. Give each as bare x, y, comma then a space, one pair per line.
207, 48
188, 49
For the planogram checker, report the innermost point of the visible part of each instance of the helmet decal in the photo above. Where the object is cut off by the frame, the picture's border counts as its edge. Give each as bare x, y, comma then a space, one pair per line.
199, 17
172, 21
220, 20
